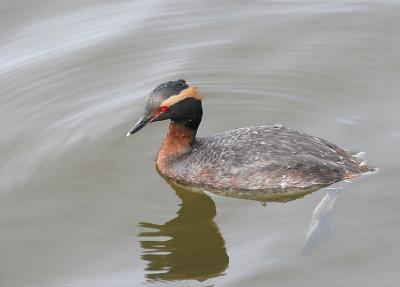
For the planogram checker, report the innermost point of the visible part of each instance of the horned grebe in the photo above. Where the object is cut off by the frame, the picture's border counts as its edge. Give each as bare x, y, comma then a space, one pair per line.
263, 160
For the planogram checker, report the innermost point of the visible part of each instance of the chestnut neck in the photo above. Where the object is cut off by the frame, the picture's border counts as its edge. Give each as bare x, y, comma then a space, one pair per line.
179, 139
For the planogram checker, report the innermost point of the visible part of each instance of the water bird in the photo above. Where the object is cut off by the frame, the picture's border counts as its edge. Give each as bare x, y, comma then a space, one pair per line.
262, 160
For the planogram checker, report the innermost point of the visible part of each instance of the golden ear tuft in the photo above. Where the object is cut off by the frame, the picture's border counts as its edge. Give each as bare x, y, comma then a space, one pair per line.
191, 92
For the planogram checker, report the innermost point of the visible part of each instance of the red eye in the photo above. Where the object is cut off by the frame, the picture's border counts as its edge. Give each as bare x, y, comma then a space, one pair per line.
163, 109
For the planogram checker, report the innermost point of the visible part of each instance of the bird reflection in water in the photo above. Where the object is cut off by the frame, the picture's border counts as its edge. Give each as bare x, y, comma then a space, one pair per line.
188, 247
320, 228
191, 247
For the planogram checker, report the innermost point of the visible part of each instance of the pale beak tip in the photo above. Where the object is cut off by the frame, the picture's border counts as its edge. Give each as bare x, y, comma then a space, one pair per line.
128, 134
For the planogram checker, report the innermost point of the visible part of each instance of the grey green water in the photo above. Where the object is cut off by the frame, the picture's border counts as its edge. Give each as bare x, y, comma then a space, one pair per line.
82, 205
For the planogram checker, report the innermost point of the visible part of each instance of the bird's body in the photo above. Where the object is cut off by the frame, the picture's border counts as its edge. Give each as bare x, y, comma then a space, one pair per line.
254, 159
260, 158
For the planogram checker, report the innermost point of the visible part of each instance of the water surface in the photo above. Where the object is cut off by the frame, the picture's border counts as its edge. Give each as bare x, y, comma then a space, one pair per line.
82, 205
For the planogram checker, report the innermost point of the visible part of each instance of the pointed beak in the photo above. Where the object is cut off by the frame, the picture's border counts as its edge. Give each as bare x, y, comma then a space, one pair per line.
139, 125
